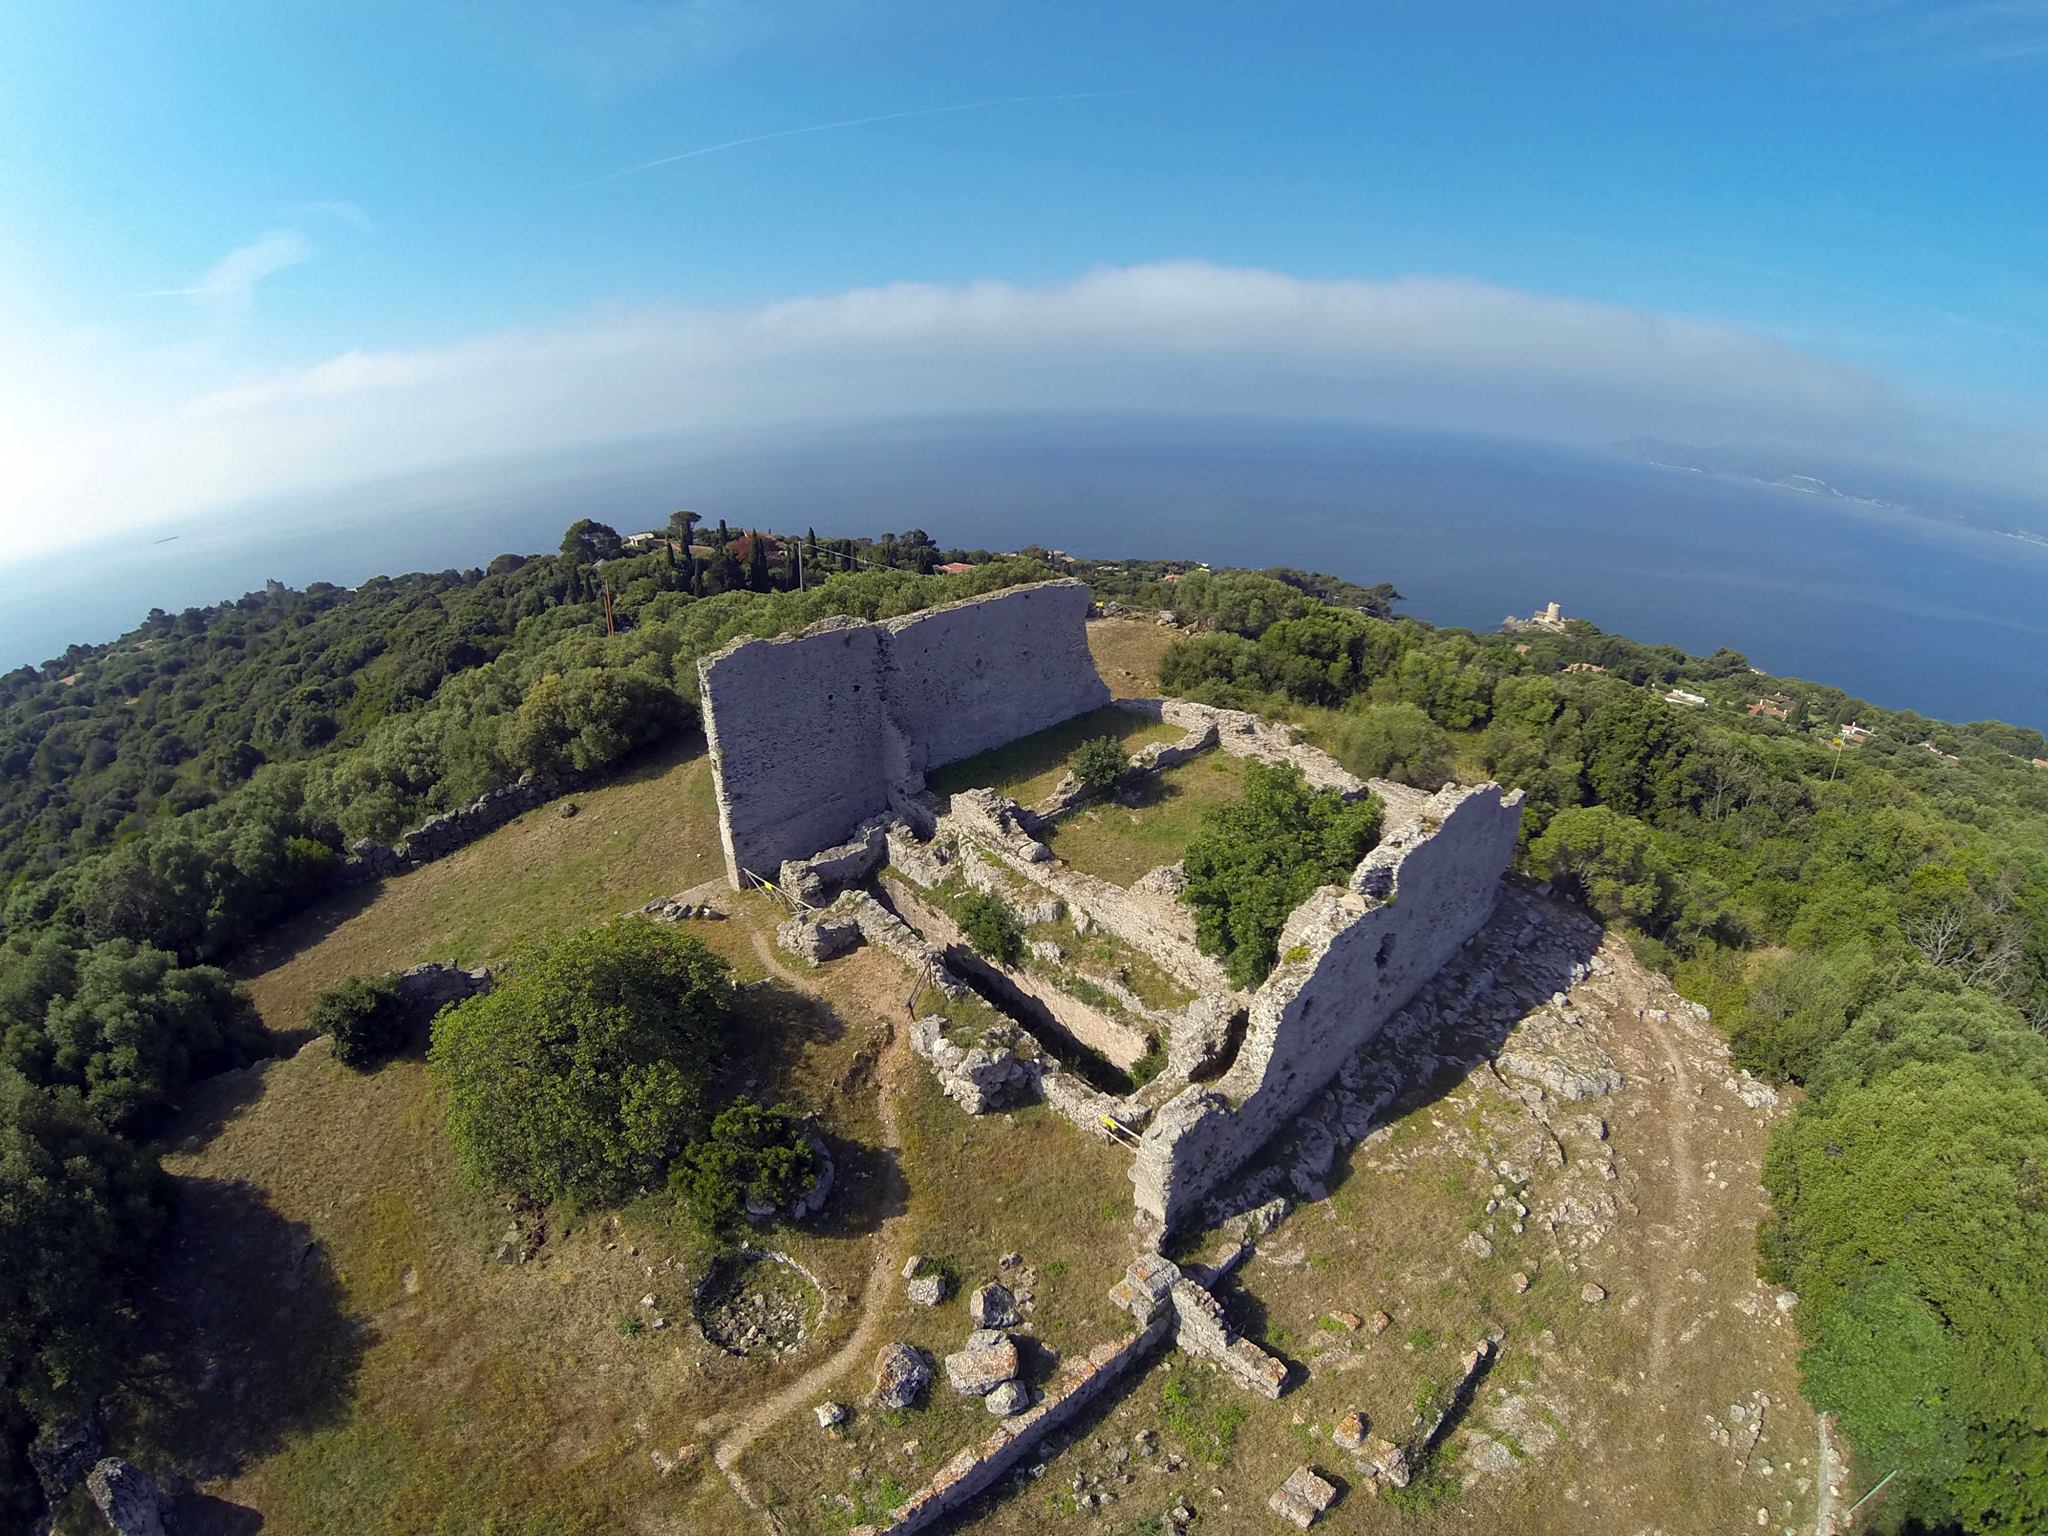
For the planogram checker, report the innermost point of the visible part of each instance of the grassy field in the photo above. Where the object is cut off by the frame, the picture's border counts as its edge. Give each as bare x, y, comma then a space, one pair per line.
1026, 1183
336, 1347
1029, 769
653, 832
1122, 843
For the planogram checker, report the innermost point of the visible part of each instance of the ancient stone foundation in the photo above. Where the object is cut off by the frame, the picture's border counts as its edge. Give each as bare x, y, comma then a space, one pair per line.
814, 734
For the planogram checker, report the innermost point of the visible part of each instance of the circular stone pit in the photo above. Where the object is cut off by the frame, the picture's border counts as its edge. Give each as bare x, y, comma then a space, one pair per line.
757, 1304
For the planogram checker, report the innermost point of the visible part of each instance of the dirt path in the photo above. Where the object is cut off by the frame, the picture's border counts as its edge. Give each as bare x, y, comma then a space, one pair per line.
813, 1385
1685, 1212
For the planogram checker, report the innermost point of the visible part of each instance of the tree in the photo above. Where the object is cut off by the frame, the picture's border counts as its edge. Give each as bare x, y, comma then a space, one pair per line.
1253, 863
133, 1028
589, 719
991, 927
1098, 764
588, 540
367, 1019
1909, 1216
1610, 862
754, 1159
1638, 755
582, 1075
1394, 741
757, 564
78, 1210
682, 527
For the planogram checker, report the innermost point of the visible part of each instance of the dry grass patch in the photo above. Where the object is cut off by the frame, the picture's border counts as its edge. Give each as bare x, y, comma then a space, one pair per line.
652, 832
1127, 653
980, 1187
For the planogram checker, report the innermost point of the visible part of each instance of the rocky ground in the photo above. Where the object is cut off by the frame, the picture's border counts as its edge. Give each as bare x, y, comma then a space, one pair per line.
1543, 1179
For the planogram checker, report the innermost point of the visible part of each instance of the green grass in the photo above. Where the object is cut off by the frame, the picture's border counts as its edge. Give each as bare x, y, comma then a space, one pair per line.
1121, 843
1029, 769
1202, 1414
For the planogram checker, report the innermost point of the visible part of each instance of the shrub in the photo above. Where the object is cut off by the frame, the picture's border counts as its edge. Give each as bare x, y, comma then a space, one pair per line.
1394, 741
991, 927
1099, 763
581, 1076
1254, 862
368, 1020
753, 1154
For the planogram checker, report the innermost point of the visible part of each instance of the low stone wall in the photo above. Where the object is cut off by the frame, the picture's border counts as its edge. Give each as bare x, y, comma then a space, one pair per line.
1361, 953
1246, 735
433, 986
439, 836
975, 1470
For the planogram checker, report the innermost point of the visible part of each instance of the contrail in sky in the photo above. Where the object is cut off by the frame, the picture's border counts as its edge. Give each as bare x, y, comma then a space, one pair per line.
851, 122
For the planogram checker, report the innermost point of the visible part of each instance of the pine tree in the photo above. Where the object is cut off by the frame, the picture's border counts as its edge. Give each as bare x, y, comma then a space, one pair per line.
757, 563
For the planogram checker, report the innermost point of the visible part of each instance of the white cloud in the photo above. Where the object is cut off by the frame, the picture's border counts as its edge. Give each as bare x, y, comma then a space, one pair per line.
1173, 337
231, 282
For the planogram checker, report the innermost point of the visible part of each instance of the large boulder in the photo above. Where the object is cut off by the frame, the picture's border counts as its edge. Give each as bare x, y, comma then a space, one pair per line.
992, 1306
901, 1375
987, 1361
128, 1497
64, 1453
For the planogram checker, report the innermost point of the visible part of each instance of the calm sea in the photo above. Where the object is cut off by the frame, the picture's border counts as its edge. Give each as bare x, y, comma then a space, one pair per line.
1901, 611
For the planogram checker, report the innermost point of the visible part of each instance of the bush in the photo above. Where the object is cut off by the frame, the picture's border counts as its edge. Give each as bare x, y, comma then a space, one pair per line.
368, 1020
1394, 741
1254, 862
1099, 763
581, 1076
991, 927
752, 1154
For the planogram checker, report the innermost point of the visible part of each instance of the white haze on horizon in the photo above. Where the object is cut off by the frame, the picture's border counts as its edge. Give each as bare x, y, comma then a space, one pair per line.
83, 454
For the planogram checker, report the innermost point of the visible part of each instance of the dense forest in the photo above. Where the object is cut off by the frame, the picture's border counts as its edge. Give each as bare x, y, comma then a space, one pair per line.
1860, 895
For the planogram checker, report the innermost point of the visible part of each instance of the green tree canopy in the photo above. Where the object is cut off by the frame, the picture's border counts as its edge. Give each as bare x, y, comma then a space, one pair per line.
1610, 862
582, 1075
991, 927
1253, 863
589, 540
753, 1155
1099, 763
366, 1018
78, 1209
1394, 741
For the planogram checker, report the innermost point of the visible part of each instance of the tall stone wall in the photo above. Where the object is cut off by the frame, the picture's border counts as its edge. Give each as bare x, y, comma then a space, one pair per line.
1364, 952
813, 734
977, 674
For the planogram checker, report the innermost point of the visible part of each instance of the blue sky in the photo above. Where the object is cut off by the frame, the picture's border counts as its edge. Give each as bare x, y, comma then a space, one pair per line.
250, 247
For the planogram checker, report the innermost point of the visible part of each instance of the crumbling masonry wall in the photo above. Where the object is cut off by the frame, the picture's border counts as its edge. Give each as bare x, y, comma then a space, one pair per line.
813, 734
1359, 954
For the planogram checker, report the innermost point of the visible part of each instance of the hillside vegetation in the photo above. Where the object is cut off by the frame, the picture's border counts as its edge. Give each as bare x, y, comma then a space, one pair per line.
1865, 911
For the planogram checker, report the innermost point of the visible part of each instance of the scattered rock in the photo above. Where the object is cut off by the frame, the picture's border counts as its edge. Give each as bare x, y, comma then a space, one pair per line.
1385, 1460
992, 1306
1350, 1433
1350, 1322
1518, 1283
987, 1361
901, 1375
567, 809
1379, 1322
1011, 1397
926, 1290
830, 1415
1592, 1293
1303, 1497
1478, 1245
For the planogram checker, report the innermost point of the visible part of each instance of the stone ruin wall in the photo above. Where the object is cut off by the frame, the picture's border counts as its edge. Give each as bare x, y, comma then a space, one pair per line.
1412, 903
813, 734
